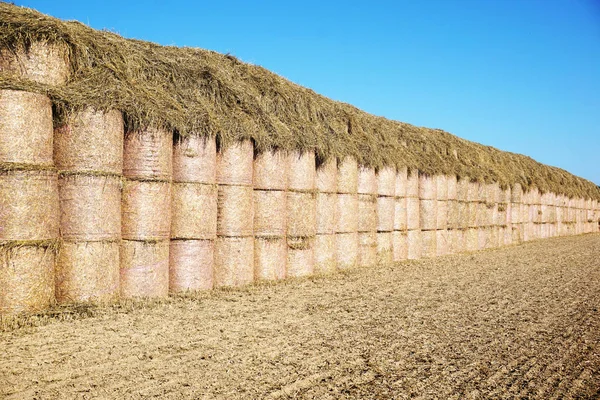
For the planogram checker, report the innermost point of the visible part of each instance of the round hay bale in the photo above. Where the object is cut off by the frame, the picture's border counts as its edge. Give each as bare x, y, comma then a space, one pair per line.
385, 247
441, 187
472, 239
195, 159
413, 213
428, 215
235, 211
367, 213
494, 237
301, 214
146, 210
347, 177
367, 249
90, 207
483, 238
456, 241
481, 192
26, 135
271, 170
463, 214
428, 244
325, 260
535, 197
302, 171
472, 216
270, 258
386, 181
412, 184
517, 233
400, 214
346, 248
400, 246
492, 193
90, 140
41, 62
454, 221
234, 261
474, 195
367, 180
516, 213
414, 247
347, 213
507, 236
463, 189
401, 182
191, 265
270, 218
235, 164
505, 195
87, 271
29, 207
326, 176
442, 214
300, 256
144, 268
441, 242
427, 187
148, 154
385, 214
326, 213
194, 211
452, 184
485, 214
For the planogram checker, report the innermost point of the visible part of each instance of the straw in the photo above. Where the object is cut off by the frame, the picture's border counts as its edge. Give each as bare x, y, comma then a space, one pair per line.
401, 182
270, 258
427, 187
271, 170
234, 261
235, 164
347, 213
386, 181
148, 154
191, 265
41, 62
326, 176
195, 159
302, 171
146, 210
301, 213
270, 219
367, 180
347, 178
235, 211
325, 259
194, 211
144, 268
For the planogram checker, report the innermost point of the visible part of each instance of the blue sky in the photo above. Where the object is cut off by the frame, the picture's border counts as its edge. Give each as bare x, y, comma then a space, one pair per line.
519, 75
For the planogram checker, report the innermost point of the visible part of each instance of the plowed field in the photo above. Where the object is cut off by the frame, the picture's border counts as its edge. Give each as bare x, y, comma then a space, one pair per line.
519, 322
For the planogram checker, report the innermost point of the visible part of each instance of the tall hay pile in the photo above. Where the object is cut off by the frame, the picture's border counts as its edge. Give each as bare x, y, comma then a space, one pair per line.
347, 242
88, 152
326, 217
193, 214
386, 204
271, 172
367, 216
234, 248
400, 240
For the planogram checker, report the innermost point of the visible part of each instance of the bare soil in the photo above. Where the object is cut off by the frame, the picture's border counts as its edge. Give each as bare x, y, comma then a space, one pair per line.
518, 322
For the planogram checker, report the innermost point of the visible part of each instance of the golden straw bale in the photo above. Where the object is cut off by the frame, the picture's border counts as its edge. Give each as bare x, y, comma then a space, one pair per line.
367, 180
413, 213
454, 214
367, 249
270, 258
385, 247
367, 213
505, 195
347, 178
326, 213
472, 239
452, 187
144, 268
346, 248
507, 237
234, 261
441, 183
472, 215
442, 214
483, 238
191, 265
90, 140
400, 214
494, 237
271, 170
326, 177
29, 207
194, 211
428, 214
26, 278
195, 159
400, 243
347, 213
456, 241
427, 187
463, 214
235, 164
302, 171
463, 189
413, 238
325, 260
386, 181
25, 128
385, 214
235, 211
87, 271
300, 256
270, 208
302, 214
412, 184
481, 191
41, 62
492, 193
146, 210
535, 197
428, 244
90, 207
401, 182
502, 214
516, 213
441, 242
148, 154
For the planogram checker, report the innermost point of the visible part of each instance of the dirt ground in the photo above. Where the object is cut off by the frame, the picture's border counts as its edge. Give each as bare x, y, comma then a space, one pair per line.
520, 322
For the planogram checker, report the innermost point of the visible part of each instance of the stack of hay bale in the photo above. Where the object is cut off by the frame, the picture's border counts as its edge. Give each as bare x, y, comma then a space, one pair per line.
88, 152
234, 246
194, 214
326, 217
386, 203
367, 216
270, 214
301, 205
400, 240
29, 202
146, 212
413, 216
347, 214
428, 212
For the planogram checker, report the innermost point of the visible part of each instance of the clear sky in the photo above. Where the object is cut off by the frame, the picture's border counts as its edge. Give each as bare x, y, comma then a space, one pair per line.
519, 75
